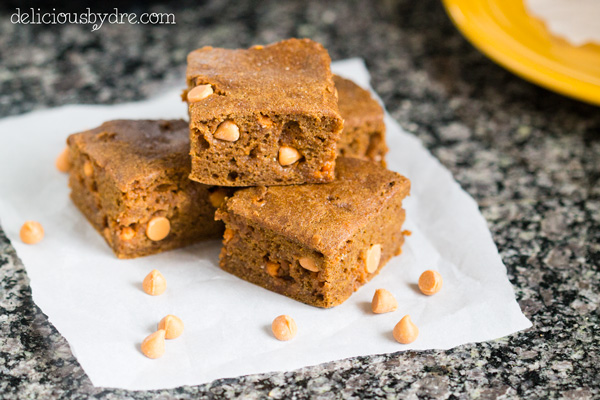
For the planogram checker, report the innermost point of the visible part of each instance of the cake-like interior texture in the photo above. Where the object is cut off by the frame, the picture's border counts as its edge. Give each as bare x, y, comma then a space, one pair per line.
246, 105
364, 130
125, 173
316, 243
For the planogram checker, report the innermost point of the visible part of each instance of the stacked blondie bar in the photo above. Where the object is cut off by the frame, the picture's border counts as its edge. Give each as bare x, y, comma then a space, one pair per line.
280, 159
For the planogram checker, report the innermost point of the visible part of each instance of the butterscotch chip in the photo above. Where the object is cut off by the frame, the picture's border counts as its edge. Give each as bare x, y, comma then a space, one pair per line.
264, 122
316, 239
158, 228
309, 264
227, 131
284, 327
217, 197
31, 232
88, 169
228, 235
63, 164
405, 331
154, 283
199, 92
127, 233
373, 257
154, 345
272, 268
288, 155
383, 302
172, 325
430, 282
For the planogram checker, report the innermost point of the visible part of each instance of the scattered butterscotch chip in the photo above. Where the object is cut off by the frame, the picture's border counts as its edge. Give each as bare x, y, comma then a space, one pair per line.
88, 169
430, 282
154, 283
63, 164
383, 302
406, 232
227, 131
127, 233
199, 92
288, 155
31, 232
158, 228
172, 325
373, 257
217, 197
284, 327
405, 331
309, 264
154, 345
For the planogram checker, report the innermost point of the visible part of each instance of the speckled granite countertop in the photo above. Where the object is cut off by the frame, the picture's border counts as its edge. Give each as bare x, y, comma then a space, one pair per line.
530, 158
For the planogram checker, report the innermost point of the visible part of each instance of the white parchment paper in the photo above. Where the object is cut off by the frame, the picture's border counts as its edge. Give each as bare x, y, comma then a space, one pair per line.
577, 21
96, 300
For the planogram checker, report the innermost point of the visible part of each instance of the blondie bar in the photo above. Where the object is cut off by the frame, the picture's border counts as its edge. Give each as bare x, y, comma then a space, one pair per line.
267, 115
130, 180
316, 243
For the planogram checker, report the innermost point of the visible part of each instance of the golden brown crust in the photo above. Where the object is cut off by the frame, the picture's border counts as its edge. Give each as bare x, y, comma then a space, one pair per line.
136, 150
337, 209
288, 77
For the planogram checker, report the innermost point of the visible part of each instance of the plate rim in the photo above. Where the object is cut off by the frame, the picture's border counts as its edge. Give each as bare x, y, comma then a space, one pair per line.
517, 62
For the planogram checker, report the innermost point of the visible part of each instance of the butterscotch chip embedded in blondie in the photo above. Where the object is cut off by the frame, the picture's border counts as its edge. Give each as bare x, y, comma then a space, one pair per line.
316, 243
364, 130
270, 117
130, 180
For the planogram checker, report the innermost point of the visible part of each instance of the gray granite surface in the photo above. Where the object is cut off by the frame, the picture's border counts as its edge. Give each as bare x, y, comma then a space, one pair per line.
529, 157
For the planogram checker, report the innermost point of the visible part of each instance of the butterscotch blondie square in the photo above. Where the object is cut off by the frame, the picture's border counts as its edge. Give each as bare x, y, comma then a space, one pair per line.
262, 116
130, 180
316, 243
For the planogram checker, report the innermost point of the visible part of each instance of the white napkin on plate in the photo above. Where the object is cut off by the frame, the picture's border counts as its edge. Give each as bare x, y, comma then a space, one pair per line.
577, 21
96, 300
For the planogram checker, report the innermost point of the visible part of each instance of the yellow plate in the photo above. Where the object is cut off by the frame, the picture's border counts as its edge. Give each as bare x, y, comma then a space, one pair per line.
504, 31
